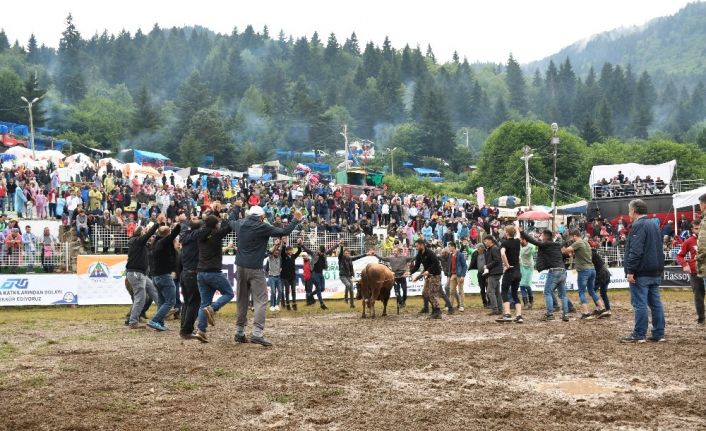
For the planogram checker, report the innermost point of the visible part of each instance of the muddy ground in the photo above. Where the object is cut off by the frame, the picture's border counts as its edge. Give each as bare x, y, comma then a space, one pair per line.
336, 371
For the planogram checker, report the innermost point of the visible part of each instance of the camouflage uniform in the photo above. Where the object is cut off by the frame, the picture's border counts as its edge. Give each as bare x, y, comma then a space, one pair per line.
432, 285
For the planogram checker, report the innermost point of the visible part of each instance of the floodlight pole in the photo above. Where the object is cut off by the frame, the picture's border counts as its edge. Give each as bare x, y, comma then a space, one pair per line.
555, 142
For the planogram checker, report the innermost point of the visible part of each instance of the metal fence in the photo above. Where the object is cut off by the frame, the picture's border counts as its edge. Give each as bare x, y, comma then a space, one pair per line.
37, 258
114, 240
105, 240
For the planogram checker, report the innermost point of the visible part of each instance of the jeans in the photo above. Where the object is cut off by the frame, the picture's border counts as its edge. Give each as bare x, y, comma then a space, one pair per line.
697, 285
166, 291
209, 283
401, 289
556, 280
2, 205
141, 285
192, 299
644, 293
587, 281
251, 281
319, 284
52, 210
276, 293
348, 285
493, 289
290, 286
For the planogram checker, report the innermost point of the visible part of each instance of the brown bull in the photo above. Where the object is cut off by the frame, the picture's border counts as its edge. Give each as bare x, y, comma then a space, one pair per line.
376, 280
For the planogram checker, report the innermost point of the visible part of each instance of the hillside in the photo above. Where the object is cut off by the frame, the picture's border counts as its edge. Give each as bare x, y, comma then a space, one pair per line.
672, 45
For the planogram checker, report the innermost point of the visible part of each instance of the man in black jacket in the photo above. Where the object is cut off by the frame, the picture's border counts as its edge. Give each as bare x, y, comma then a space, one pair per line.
432, 273
165, 262
253, 235
136, 268
210, 277
493, 271
550, 258
289, 274
346, 272
189, 287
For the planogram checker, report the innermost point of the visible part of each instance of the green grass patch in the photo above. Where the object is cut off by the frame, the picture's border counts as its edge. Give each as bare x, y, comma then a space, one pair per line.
35, 382
184, 385
281, 398
332, 392
7, 350
227, 373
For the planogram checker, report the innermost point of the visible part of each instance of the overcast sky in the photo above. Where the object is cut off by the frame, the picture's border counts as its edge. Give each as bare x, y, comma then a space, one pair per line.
480, 30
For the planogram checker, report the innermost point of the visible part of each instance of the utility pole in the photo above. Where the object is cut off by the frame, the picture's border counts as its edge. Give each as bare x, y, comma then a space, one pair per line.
528, 186
345, 142
31, 123
555, 142
466, 133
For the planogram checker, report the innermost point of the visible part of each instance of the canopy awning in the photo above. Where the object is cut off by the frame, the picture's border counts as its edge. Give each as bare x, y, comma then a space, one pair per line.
632, 170
141, 156
687, 199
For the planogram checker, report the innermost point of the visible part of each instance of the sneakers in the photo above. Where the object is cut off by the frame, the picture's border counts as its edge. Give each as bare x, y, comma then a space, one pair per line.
451, 310
323, 306
187, 336
289, 307
201, 336
294, 306
519, 319
461, 309
565, 318
352, 305
261, 341
276, 307
272, 308
604, 314
700, 322
654, 339
494, 313
587, 316
548, 318
157, 326
505, 318
210, 315
136, 326
241, 338
632, 339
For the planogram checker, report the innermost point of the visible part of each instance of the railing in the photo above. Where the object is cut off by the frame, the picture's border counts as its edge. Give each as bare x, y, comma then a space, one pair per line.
57, 258
622, 190
113, 239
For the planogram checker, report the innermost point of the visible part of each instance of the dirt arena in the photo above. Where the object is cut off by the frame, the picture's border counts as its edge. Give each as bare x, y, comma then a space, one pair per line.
81, 369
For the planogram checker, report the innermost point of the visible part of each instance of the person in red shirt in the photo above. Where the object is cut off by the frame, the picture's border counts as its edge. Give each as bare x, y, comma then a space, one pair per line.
3, 196
306, 276
687, 259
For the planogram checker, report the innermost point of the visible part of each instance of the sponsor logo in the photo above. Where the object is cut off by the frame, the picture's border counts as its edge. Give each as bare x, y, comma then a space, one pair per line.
98, 270
14, 283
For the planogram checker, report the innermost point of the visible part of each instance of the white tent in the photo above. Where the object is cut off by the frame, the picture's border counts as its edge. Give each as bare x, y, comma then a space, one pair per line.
687, 199
631, 170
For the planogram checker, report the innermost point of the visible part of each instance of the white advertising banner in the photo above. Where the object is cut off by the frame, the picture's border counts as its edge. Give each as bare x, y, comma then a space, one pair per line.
37, 289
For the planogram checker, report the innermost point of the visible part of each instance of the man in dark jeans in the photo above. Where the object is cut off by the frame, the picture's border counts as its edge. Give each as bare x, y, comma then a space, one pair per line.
400, 267
210, 277
550, 258
289, 274
493, 271
165, 256
318, 265
644, 264
189, 287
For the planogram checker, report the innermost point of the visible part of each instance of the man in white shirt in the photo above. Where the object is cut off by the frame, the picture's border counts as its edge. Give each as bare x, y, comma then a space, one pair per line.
72, 203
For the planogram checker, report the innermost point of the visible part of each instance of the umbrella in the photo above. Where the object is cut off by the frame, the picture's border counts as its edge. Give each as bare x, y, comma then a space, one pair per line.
534, 215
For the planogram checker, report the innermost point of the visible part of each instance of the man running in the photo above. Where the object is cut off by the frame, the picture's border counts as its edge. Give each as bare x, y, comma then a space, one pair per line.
510, 254
165, 263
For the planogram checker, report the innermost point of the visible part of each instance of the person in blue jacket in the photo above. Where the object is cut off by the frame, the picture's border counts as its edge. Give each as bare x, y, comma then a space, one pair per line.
644, 264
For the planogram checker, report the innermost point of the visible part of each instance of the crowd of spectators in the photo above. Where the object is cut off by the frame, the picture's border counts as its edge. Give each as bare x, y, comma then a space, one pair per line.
621, 185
